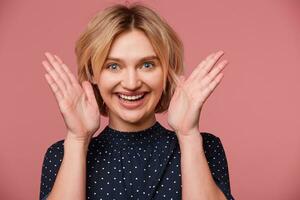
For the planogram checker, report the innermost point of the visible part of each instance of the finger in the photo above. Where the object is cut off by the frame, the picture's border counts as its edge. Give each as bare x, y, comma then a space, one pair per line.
58, 59
87, 87
59, 82
210, 63
213, 84
67, 70
208, 90
179, 79
60, 71
179, 86
200, 66
214, 72
57, 93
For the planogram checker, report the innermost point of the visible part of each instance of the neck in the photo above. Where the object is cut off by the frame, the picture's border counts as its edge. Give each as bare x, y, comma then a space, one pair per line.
122, 125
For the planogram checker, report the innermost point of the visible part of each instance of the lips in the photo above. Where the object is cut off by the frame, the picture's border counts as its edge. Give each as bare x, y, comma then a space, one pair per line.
132, 104
131, 94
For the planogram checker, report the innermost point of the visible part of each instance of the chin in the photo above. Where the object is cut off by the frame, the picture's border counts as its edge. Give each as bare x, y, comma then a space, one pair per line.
133, 116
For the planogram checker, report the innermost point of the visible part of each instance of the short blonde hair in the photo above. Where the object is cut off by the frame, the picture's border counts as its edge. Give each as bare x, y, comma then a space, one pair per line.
94, 43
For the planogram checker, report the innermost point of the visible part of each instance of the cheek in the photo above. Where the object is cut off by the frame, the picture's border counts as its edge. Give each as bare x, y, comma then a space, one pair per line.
106, 82
158, 83
155, 80
156, 86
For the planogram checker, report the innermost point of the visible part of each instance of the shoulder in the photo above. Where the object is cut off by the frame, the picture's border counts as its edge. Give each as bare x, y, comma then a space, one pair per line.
56, 146
217, 162
212, 145
210, 140
52, 160
54, 152
209, 136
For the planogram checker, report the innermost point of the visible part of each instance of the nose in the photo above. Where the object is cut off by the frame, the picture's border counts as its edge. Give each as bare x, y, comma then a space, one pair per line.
131, 80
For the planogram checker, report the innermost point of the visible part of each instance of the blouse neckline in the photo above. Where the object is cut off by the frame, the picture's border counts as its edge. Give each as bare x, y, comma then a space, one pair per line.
154, 130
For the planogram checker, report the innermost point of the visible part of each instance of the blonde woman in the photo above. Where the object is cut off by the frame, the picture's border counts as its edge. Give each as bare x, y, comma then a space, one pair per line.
130, 66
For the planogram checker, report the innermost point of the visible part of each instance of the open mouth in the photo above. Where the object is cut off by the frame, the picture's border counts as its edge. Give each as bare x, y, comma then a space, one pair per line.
132, 98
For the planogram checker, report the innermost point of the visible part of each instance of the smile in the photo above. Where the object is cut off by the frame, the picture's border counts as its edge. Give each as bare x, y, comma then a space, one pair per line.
131, 98
131, 102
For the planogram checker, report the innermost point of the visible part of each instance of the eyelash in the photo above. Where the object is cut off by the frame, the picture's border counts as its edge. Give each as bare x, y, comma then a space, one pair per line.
152, 63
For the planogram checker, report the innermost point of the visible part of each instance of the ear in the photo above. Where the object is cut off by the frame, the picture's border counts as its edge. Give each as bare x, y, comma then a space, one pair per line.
92, 80
95, 87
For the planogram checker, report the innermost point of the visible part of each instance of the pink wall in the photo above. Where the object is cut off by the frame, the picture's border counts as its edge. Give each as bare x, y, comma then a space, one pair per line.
255, 110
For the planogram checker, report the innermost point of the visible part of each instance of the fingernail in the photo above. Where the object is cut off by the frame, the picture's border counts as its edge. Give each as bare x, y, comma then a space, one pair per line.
48, 53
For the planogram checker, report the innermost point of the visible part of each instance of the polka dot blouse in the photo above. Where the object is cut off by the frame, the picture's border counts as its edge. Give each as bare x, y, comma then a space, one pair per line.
136, 165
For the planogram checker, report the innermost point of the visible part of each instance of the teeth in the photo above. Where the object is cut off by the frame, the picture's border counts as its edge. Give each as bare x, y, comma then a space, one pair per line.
131, 97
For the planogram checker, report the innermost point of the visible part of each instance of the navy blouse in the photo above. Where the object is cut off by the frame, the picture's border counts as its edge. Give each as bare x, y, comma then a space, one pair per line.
136, 165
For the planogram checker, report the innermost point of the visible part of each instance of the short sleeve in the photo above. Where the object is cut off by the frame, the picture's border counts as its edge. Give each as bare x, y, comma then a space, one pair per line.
51, 163
45, 197
217, 162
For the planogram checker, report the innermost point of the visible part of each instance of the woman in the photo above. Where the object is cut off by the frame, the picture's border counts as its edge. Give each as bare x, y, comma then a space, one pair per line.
130, 65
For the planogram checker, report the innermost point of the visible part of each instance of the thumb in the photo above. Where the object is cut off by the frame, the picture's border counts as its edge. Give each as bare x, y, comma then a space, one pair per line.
178, 88
88, 90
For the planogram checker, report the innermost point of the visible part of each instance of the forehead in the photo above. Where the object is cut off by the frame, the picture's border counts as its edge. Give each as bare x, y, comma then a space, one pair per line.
131, 46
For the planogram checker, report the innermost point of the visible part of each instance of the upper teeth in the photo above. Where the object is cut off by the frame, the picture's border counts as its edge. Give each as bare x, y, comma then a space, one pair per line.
131, 97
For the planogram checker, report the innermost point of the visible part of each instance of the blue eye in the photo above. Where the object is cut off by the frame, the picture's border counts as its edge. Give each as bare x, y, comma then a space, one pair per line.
151, 63
112, 64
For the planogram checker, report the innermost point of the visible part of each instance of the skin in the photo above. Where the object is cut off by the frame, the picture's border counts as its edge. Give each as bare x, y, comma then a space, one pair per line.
183, 116
190, 95
130, 74
79, 109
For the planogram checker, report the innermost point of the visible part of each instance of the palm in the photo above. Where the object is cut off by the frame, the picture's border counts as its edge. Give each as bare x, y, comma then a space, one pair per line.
190, 95
181, 112
80, 114
77, 103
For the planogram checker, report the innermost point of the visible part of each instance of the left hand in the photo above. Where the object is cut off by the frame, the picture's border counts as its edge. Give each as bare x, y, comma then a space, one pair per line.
190, 95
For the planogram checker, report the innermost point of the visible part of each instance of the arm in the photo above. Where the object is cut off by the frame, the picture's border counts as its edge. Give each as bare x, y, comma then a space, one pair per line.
81, 113
197, 181
183, 116
70, 182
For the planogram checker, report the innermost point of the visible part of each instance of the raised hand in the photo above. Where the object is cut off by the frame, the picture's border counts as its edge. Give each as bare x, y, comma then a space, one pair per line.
190, 95
77, 103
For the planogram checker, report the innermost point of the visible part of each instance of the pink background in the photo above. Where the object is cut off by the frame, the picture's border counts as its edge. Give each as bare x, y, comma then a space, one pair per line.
255, 110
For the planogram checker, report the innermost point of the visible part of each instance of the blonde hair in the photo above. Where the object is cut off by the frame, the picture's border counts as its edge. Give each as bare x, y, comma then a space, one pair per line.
94, 43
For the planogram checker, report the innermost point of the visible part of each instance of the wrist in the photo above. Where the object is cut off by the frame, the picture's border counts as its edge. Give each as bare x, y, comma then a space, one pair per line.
191, 133
78, 137
77, 143
189, 137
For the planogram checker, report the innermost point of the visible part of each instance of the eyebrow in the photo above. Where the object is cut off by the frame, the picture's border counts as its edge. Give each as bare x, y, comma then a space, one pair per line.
152, 57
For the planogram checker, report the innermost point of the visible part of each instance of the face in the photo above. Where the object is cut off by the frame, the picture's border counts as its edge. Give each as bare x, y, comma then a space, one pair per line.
131, 68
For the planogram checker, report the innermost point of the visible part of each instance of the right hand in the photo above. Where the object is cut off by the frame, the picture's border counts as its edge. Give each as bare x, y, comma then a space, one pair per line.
77, 103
